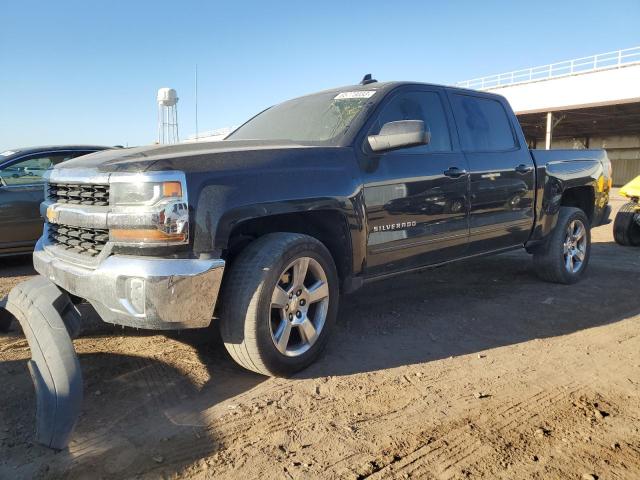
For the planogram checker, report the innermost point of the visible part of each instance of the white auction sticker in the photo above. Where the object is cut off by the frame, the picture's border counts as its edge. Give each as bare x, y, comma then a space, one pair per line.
356, 94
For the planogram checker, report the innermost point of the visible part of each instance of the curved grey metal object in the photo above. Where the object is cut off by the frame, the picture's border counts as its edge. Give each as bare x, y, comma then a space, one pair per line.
47, 317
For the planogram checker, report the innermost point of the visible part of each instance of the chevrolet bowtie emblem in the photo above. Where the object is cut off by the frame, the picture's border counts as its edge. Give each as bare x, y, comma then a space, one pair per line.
52, 214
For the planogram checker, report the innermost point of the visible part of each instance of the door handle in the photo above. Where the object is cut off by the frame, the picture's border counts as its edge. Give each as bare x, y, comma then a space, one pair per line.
455, 172
522, 168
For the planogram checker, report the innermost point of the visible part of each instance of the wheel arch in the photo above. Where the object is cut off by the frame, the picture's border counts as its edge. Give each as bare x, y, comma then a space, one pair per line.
582, 197
556, 193
330, 227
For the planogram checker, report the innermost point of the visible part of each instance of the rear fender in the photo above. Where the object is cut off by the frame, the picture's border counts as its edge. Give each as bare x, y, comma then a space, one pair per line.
555, 177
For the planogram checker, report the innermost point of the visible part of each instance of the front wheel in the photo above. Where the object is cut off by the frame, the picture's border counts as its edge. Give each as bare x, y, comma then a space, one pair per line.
566, 255
279, 303
626, 226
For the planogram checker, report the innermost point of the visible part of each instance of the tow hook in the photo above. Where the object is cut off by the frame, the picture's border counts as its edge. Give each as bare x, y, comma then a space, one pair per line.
49, 319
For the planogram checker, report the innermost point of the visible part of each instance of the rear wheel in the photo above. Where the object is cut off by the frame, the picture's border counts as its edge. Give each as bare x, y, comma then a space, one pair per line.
626, 227
566, 254
279, 303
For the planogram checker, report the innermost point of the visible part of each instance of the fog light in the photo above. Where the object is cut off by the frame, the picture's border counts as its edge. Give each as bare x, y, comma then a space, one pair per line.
135, 294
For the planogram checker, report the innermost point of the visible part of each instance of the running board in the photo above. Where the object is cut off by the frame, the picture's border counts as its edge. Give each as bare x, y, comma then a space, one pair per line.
48, 319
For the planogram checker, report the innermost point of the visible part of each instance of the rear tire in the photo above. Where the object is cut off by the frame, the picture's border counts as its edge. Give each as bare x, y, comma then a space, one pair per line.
273, 320
626, 230
565, 257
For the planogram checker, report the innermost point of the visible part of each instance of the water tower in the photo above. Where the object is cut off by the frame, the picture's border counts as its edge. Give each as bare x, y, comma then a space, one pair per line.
167, 116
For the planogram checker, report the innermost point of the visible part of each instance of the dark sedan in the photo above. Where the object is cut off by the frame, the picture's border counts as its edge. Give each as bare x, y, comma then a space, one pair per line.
22, 191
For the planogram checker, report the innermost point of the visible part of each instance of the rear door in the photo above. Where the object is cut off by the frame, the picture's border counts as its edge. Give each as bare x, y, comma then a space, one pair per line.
21, 192
502, 181
416, 198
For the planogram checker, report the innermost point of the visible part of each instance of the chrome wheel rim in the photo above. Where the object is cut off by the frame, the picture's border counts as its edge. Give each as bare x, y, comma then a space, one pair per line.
575, 246
299, 305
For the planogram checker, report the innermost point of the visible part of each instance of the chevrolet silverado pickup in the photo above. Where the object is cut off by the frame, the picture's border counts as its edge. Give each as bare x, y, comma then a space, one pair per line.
309, 199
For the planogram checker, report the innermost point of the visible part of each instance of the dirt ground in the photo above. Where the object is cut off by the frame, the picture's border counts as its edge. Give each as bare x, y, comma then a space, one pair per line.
475, 370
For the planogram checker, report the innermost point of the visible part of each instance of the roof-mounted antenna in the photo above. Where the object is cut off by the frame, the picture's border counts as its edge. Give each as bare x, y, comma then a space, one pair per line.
367, 79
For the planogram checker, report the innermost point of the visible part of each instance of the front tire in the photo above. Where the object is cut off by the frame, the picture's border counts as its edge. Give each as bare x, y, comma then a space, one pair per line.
279, 303
626, 230
566, 255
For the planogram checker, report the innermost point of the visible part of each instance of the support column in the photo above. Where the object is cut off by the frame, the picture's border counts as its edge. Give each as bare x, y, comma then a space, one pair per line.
549, 134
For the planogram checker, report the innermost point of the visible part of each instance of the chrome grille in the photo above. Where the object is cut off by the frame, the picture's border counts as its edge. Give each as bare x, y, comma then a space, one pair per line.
88, 241
79, 193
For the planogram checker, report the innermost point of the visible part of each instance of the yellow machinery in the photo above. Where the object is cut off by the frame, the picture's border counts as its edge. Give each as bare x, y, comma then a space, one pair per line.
626, 227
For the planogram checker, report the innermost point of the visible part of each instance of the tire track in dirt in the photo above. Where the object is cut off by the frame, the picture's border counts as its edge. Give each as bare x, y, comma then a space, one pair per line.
567, 425
164, 386
459, 444
166, 390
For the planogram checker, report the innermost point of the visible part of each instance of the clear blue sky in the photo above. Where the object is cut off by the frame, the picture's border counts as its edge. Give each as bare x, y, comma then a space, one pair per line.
88, 71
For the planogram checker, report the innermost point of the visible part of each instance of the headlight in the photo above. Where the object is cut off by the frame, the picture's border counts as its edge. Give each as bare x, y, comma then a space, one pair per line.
149, 209
144, 193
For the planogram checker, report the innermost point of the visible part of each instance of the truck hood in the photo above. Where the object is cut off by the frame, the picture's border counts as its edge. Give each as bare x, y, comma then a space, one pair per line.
185, 157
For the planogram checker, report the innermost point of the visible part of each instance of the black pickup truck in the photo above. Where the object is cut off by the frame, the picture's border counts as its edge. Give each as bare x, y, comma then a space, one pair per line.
307, 200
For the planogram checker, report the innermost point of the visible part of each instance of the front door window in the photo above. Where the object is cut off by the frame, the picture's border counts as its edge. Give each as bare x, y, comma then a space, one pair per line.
31, 170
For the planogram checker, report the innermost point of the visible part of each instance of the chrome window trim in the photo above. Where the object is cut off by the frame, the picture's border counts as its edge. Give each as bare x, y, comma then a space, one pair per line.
27, 156
23, 185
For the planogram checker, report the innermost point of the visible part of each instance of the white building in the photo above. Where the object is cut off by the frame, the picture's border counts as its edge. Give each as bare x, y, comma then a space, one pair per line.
210, 136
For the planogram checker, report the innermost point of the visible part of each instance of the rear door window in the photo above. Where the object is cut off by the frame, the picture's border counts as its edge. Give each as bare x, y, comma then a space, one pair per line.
483, 124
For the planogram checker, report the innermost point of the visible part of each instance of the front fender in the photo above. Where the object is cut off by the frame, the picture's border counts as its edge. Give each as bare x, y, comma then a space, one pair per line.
328, 182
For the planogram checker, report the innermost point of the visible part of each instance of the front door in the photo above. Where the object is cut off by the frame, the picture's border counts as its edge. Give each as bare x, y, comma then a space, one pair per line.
416, 198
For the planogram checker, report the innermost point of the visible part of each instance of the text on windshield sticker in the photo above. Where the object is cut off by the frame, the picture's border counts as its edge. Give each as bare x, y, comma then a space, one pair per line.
357, 94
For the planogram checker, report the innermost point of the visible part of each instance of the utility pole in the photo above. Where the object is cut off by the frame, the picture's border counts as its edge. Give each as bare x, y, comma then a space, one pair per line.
197, 131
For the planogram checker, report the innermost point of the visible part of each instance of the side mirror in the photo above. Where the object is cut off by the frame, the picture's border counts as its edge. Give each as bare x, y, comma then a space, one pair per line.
400, 134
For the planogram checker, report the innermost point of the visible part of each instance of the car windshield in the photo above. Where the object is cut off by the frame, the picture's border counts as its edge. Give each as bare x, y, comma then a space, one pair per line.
322, 118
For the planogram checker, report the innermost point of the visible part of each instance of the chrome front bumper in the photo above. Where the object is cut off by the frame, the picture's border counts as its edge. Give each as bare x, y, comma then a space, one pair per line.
142, 292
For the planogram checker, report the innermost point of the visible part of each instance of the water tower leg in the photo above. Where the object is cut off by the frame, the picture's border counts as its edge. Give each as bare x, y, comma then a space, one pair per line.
176, 122
159, 124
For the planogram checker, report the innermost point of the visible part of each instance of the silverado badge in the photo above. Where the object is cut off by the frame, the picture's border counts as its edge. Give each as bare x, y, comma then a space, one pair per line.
394, 226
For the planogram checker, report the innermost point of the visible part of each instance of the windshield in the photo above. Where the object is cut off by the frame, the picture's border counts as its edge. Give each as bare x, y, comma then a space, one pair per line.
322, 118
